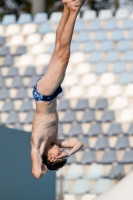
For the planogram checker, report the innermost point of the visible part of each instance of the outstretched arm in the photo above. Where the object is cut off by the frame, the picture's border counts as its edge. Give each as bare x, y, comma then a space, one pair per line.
74, 145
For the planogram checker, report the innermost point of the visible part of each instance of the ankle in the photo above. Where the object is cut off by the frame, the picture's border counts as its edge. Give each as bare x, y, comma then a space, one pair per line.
66, 7
75, 9
76, 5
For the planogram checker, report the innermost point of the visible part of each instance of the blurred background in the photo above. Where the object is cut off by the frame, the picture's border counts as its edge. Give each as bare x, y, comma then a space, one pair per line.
96, 105
19, 6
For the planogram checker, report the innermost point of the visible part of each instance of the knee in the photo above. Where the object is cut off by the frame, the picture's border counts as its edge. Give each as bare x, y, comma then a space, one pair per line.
37, 175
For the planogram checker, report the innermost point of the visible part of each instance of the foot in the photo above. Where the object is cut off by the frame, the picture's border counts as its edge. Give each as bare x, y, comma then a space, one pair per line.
73, 4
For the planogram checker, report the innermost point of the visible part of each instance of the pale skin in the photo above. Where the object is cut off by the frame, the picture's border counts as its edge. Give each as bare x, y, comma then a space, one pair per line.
45, 123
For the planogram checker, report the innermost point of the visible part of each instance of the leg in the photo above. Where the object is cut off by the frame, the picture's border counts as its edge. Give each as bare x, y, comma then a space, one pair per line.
63, 22
61, 26
59, 60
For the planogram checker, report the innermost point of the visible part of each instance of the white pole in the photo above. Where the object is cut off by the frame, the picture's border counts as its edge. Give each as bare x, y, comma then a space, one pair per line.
38, 6
123, 190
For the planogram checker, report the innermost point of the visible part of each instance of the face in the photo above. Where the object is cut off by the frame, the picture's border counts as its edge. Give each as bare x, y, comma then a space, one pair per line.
53, 152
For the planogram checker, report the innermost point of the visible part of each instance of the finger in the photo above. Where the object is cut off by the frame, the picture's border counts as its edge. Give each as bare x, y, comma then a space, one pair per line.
62, 157
59, 157
66, 157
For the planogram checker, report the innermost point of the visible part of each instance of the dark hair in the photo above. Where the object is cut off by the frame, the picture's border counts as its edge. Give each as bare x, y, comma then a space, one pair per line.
53, 165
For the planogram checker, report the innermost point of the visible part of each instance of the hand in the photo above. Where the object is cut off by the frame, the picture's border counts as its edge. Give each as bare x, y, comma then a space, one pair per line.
63, 156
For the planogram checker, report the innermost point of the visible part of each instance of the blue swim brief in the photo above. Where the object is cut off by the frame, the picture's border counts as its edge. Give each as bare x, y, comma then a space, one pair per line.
39, 97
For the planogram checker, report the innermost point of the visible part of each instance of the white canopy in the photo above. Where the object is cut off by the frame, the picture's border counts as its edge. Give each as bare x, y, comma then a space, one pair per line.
121, 191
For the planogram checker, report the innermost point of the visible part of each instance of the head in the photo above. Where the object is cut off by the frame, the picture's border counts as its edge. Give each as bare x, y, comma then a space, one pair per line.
52, 152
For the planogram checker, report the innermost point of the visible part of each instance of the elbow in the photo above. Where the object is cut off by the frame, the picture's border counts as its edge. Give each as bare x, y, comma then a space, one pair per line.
81, 144
37, 175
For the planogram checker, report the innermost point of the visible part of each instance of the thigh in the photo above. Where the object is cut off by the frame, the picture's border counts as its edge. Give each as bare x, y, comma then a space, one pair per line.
54, 75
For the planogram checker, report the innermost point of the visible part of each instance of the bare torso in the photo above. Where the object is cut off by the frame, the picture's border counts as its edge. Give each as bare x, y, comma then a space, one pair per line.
45, 122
